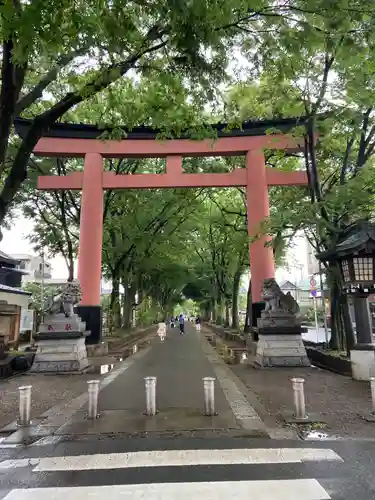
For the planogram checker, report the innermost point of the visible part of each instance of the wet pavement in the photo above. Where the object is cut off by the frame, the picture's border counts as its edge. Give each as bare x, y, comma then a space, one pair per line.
179, 364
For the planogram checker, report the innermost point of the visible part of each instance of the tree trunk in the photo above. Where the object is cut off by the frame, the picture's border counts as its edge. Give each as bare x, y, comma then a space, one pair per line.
205, 311
127, 304
236, 289
219, 310
115, 308
337, 340
214, 310
227, 313
249, 311
70, 268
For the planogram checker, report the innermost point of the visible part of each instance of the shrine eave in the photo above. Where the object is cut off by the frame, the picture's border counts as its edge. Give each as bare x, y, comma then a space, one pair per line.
86, 131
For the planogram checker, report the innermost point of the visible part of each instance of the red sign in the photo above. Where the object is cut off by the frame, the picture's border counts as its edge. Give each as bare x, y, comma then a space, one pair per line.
68, 327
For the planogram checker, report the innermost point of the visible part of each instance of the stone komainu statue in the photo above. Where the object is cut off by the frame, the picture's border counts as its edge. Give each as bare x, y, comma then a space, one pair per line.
276, 299
67, 296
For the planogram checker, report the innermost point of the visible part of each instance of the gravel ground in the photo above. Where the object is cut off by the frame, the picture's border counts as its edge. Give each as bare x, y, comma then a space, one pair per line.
47, 391
337, 399
50, 390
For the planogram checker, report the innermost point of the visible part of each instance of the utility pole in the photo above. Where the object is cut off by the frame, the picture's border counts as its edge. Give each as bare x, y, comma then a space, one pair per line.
323, 303
42, 288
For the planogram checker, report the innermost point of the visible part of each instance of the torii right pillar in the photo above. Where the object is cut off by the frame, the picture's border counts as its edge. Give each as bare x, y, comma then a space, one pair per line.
280, 341
262, 263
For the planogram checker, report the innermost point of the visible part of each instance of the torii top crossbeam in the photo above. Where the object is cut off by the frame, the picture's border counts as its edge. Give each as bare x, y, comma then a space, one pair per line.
78, 140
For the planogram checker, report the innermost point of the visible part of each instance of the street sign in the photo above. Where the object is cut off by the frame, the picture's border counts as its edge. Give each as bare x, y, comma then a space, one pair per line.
313, 286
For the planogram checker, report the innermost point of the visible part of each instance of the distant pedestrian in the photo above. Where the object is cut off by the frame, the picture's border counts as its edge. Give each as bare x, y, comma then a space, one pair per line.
162, 330
181, 321
172, 322
198, 324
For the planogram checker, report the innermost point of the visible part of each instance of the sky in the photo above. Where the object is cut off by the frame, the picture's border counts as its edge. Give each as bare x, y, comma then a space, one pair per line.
15, 242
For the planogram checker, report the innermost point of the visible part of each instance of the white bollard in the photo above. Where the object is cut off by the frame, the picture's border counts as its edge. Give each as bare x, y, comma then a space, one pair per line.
93, 390
209, 396
150, 387
25, 405
372, 384
135, 348
299, 398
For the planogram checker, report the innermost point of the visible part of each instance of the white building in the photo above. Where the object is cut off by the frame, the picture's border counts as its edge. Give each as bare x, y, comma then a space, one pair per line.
34, 267
312, 262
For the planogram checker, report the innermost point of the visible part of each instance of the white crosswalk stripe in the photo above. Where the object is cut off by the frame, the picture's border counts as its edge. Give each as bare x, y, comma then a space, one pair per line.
296, 489
172, 458
267, 489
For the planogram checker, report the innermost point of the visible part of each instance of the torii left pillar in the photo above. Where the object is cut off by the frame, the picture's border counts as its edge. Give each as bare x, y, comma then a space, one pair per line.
261, 255
90, 246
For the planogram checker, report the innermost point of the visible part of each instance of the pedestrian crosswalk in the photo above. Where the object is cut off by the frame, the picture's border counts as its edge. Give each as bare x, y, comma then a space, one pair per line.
306, 489
220, 474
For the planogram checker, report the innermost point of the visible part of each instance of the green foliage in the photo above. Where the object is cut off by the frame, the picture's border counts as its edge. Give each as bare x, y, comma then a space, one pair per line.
59, 55
164, 65
36, 298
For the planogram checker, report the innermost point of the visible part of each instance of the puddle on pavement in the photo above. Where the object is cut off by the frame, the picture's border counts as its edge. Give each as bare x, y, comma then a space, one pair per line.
315, 435
104, 368
101, 369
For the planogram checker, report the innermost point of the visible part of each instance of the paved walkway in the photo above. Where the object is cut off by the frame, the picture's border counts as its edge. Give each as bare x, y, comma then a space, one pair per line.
179, 363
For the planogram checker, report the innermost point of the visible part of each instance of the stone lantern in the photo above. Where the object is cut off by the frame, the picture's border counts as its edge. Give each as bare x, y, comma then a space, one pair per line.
355, 254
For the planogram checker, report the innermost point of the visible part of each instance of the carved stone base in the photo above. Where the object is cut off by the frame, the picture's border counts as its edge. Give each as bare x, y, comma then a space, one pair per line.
60, 323
280, 350
61, 356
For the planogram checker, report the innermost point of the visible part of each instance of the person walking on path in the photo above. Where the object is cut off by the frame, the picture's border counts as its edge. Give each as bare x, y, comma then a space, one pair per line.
181, 321
162, 330
198, 324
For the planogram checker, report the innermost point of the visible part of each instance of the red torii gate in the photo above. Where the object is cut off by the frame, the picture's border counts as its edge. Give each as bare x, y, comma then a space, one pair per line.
65, 140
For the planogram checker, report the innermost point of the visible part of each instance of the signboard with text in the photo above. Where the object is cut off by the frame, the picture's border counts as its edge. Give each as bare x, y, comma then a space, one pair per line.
27, 320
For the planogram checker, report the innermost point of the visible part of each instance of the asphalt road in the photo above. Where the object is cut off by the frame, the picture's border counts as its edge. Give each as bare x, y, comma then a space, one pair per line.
191, 468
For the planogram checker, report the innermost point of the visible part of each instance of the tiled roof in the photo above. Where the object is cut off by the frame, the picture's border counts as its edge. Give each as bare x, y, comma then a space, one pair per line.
5, 257
11, 289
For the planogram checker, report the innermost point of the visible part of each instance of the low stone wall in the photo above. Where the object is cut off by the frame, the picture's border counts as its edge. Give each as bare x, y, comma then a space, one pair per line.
244, 340
94, 350
133, 337
326, 361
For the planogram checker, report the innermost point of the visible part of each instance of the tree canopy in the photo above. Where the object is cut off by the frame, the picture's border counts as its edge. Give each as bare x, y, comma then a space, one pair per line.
179, 66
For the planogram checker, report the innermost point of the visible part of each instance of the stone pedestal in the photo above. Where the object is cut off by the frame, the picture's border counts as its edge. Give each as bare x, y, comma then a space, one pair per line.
362, 359
61, 346
280, 341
